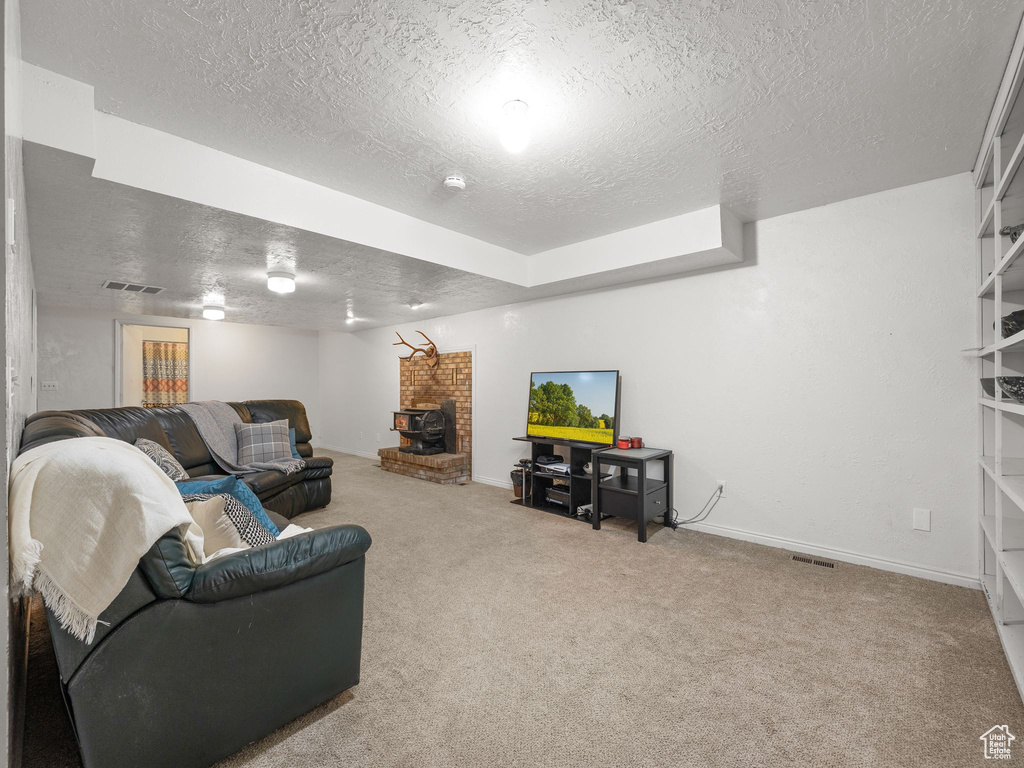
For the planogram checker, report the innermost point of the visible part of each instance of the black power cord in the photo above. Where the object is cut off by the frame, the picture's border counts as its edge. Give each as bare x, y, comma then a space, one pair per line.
701, 516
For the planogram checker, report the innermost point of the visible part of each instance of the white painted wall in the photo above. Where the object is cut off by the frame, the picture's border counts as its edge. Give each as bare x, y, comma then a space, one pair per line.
821, 381
18, 325
230, 361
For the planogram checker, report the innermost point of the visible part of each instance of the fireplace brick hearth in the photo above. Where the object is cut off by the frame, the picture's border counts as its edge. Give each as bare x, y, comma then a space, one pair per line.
424, 386
441, 468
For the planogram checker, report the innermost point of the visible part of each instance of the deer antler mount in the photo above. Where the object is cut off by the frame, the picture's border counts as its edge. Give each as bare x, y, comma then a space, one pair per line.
429, 352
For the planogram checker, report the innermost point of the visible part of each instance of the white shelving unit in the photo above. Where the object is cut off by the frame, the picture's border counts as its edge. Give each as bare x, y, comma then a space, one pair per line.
999, 202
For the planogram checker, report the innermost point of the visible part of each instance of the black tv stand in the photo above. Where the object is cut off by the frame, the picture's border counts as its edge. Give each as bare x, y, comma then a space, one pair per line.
535, 492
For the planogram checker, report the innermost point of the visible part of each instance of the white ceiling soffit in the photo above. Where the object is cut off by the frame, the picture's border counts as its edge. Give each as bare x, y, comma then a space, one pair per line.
641, 109
59, 113
86, 231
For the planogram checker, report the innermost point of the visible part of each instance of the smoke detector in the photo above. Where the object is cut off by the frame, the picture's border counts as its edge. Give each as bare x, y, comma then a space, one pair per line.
454, 182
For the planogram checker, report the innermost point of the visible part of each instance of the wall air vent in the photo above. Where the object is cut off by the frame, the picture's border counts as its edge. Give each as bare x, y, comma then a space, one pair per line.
812, 561
120, 285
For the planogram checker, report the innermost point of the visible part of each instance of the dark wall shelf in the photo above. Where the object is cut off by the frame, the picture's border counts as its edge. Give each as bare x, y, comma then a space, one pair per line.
630, 484
554, 509
578, 482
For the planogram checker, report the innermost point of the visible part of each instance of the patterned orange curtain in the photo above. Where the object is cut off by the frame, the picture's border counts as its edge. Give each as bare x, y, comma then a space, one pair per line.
164, 373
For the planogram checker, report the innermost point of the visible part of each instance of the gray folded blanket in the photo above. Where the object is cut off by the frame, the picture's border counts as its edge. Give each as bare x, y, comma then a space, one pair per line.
216, 422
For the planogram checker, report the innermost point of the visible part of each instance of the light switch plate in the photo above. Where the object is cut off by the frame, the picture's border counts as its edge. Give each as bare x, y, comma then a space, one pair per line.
922, 519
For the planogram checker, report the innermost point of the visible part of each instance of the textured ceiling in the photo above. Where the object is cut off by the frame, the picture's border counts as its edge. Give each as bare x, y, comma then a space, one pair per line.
85, 231
642, 109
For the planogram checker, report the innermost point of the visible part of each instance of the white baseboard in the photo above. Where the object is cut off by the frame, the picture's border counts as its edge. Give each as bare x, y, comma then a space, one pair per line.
492, 481
349, 451
895, 566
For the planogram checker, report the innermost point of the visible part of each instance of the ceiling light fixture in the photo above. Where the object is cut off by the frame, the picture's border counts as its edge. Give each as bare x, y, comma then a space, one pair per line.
281, 282
415, 304
213, 313
515, 127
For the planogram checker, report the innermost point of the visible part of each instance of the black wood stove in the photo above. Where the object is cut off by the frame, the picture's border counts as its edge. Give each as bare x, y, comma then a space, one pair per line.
424, 429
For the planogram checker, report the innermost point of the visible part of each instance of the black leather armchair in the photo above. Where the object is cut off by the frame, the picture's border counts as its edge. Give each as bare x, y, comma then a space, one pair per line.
190, 664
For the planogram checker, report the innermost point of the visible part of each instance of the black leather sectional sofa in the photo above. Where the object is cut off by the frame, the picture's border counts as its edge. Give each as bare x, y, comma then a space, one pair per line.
287, 495
187, 665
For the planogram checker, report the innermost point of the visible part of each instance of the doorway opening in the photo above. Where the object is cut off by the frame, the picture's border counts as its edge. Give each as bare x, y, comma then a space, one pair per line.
155, 365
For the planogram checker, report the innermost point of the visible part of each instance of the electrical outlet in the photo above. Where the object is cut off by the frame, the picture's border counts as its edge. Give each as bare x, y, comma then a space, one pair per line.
378, 437
48, 386
922, 519
360, 434
721, 483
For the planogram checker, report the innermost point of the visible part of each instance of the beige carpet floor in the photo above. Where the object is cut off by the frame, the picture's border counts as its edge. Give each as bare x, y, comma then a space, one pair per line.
499, 636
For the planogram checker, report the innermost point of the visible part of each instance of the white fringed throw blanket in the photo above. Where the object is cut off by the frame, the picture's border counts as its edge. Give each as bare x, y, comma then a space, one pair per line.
82, 512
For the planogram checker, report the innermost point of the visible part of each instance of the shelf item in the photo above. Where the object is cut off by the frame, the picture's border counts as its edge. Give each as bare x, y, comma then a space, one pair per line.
1012, 386
1012, 232
1012, 323
633, 493
542, 487
544, 471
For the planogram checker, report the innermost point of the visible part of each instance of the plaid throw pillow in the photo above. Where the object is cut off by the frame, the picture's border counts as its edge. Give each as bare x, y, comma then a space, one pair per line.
263, 442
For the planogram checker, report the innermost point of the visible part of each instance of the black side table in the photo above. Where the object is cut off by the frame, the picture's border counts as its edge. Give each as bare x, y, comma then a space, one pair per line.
632, 493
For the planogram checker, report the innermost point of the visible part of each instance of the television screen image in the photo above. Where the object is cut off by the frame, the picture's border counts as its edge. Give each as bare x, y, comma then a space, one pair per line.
574, 405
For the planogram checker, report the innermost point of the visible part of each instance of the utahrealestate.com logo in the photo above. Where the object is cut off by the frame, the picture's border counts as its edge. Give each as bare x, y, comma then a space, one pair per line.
997, 742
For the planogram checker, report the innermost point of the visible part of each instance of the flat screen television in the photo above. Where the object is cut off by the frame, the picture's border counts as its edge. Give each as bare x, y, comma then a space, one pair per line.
576, 406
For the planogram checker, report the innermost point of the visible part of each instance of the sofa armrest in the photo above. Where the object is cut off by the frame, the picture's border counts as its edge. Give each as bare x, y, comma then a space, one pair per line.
279, 564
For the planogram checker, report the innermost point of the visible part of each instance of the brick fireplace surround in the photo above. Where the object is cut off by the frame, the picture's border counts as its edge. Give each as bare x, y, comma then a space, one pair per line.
451, 379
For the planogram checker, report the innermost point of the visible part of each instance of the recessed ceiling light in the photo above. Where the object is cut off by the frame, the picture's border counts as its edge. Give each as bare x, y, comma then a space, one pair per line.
515, 126
213, 313
455, 182
281, 282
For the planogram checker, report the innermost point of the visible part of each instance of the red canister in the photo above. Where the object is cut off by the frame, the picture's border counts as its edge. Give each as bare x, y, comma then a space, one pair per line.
623, 443
636, 442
